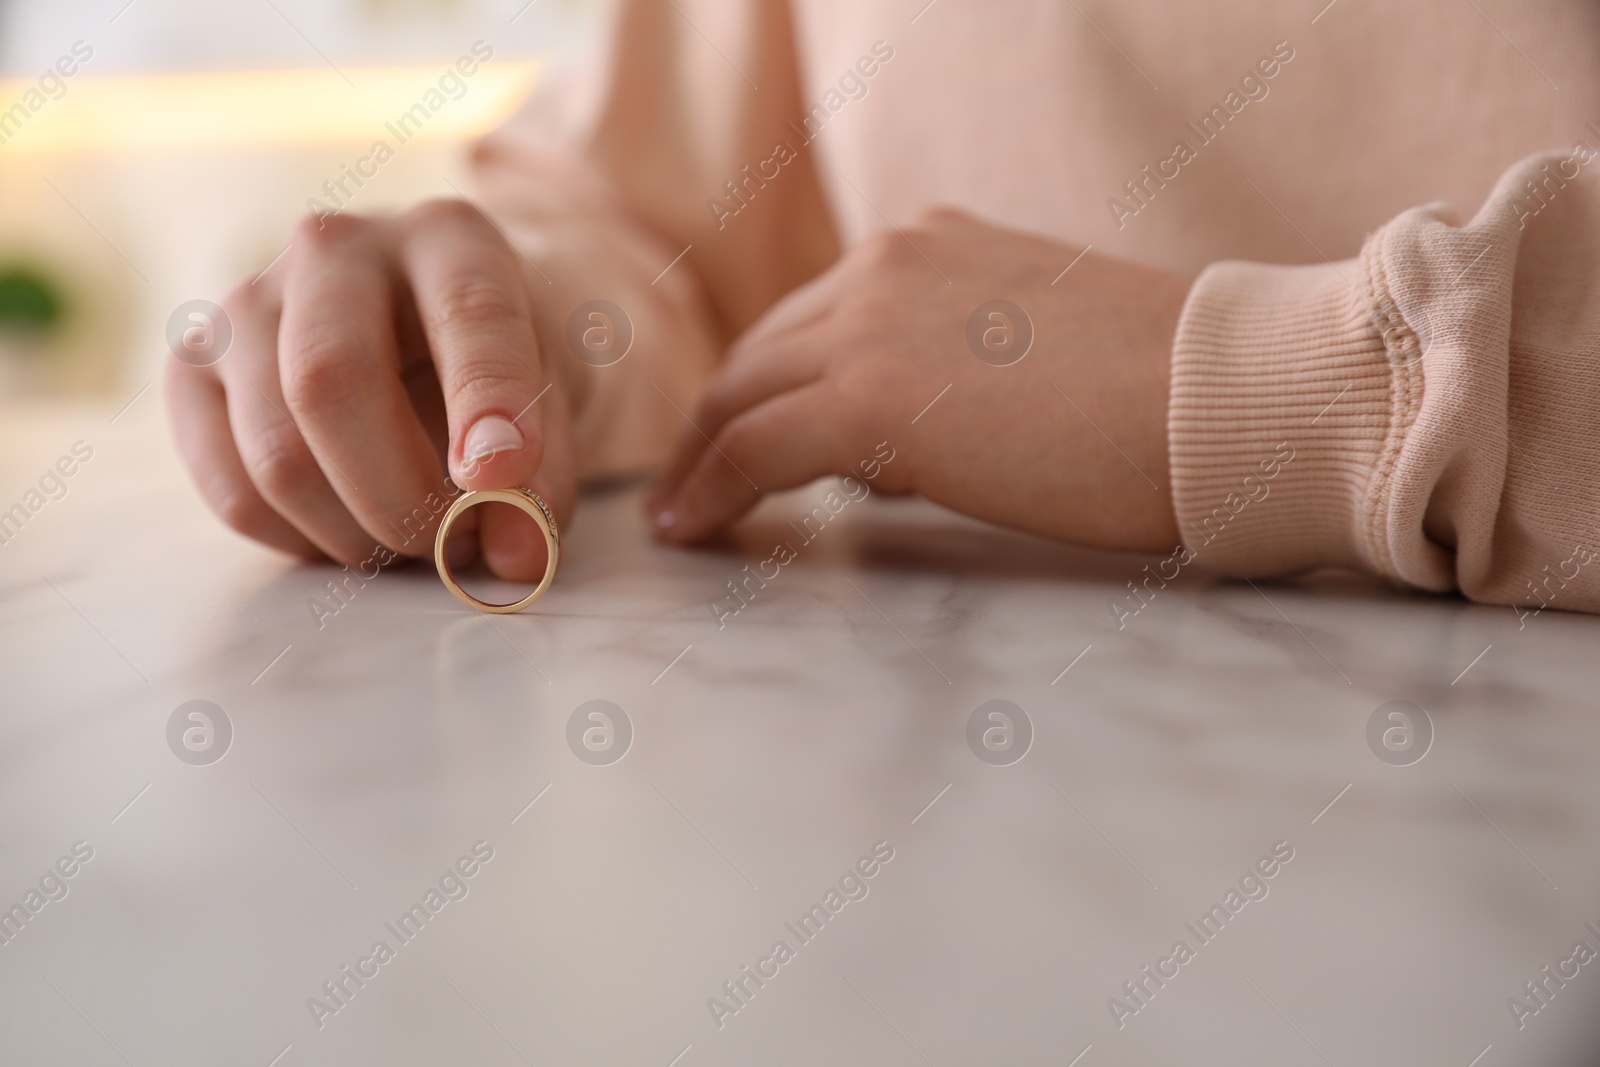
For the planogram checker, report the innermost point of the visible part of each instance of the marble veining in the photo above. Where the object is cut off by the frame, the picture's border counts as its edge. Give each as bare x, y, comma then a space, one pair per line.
770, 750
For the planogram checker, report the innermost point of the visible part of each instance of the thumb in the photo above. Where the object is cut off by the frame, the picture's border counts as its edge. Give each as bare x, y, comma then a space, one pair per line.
497, 451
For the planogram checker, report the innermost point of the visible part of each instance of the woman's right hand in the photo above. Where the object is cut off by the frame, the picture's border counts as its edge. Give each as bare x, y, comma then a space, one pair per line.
374, 358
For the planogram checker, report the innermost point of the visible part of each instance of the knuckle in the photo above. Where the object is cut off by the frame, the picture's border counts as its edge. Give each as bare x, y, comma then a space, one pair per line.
742, 439
937, 217
715, 405
246, 302
241, 511
322, 371
312, 234
473, 302
886, 248
280, 463
481, 381
749, 351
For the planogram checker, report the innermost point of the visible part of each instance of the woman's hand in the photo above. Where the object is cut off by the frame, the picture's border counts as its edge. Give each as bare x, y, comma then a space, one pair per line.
376, 357
899, 342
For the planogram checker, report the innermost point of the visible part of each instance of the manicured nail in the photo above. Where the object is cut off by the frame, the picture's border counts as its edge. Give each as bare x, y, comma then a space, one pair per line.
490, 434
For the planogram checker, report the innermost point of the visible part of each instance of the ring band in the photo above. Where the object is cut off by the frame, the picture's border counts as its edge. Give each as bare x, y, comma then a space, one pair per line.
527, 501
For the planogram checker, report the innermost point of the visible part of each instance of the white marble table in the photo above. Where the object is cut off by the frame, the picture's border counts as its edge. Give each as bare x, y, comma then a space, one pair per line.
369, 756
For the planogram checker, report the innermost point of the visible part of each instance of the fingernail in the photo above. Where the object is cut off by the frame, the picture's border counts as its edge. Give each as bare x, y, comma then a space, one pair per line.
490, 434
665, 519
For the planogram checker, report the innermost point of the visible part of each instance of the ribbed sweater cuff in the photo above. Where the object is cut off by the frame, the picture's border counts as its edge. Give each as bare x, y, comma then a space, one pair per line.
1282, 412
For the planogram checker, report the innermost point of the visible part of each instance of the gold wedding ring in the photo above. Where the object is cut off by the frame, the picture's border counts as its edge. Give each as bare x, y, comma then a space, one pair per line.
524, 499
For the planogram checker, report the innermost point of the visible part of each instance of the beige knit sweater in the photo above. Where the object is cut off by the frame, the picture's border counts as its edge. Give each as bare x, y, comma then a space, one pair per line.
1390, 212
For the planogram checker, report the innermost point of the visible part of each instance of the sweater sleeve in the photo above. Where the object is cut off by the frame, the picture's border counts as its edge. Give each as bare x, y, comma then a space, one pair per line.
1425, 412
647, 181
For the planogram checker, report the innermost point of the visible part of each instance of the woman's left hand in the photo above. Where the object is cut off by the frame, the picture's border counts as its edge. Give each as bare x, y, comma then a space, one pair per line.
1016, 379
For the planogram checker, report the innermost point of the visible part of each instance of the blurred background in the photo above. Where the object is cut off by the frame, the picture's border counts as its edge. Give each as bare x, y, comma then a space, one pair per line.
189, 136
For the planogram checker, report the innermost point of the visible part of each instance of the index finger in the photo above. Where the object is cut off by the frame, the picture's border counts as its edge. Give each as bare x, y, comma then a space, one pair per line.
469, 293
